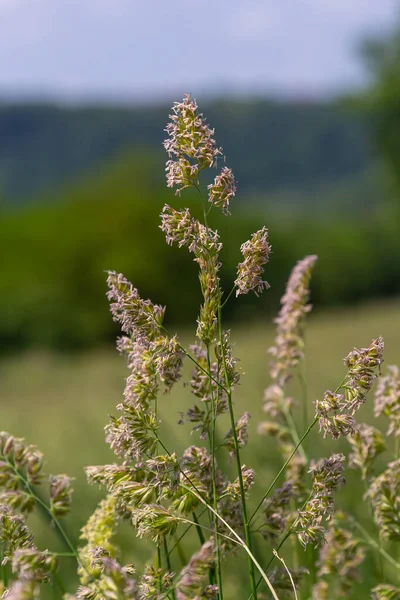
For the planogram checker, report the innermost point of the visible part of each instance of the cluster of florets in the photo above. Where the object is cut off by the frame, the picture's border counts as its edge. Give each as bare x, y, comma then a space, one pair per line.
208, 385
230, 506
367, 443
242, 435
336, 411
255, 254
27, 563
136, 316
153, 359
114, 581
327, 476
333, 417
193, 149
363, 368
21, 466
180, 228
384, 495
276, 403
338, 562
385, 591
209, 265
21, 471
288, 349
284, 580
16, 456
276, 512
191, 583
387, 399
222, 190
190, 144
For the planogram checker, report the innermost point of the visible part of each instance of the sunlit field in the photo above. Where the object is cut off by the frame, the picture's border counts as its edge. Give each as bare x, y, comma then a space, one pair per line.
62, 402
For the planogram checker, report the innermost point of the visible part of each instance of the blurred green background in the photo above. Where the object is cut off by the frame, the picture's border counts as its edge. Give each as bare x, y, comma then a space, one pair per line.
81, 189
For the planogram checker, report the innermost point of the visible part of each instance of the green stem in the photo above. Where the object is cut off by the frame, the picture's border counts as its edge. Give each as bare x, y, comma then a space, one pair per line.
303, 378
177, 544
159, 568
240, 543
190, 357
370, 540
205, 212
198, 529
246, 523
283, 540
294, 433
214, 480
53, 518
168, 561
305, 434
228, 296
376, 527
59, 583
203, 500
4, 574
179, 550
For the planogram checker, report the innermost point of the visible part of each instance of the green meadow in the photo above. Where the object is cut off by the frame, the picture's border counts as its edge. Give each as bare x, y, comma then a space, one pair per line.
61, 402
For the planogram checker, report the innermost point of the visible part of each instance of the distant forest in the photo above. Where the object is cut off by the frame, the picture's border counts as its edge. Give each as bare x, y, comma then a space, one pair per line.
272, 147
82, 189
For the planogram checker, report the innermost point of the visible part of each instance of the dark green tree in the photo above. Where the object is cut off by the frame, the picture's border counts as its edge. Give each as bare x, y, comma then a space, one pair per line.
381, 100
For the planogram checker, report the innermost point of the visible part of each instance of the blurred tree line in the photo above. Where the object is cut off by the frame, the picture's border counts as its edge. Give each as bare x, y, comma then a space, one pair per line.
270, 145
380, 103
52, 285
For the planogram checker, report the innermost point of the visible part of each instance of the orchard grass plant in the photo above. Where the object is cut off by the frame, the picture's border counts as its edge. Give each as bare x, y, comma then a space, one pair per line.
200, 509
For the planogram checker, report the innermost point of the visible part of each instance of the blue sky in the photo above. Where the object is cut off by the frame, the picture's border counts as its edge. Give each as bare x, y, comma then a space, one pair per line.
128, 49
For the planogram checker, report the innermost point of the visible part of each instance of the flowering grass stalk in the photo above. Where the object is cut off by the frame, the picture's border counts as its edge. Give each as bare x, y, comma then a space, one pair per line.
166, 496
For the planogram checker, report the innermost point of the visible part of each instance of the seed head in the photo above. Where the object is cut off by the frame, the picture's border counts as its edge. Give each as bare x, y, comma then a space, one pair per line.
384, 495
221, 192
384, 591
288, 349
327, 476
367, 443
137, 317
190, 145
249, 272
60, 494
387, 399
339, 560
191, 582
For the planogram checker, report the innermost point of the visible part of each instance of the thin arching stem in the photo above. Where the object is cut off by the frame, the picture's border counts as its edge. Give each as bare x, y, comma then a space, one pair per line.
246, 523
214, 478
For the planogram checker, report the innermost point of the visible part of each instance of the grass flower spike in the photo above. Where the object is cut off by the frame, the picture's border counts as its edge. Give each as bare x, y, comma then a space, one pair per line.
221, 192
190, 144
288, 349
387, 399
249, 272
